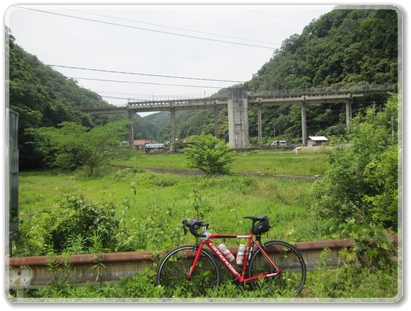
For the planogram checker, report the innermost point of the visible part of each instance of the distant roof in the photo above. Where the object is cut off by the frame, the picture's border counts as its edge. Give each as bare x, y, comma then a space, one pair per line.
138, 141
315, 138
141, 141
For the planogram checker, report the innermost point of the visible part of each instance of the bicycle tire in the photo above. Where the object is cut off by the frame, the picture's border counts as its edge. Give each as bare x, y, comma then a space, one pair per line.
290, 261
174, 267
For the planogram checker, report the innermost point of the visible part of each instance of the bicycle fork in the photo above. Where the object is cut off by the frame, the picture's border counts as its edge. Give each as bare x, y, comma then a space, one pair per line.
196, 258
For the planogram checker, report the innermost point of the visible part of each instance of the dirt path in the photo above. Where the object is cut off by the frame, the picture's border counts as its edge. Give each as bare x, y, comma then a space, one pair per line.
199, 173
194, 173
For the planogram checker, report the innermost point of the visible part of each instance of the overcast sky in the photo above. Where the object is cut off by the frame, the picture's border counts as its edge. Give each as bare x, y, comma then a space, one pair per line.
64, 36
134, 52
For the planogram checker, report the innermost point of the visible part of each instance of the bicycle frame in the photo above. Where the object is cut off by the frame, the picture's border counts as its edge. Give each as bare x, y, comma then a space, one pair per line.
240, 277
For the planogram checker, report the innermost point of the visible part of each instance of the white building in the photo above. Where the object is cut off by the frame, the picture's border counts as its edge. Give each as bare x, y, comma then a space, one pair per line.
316, 141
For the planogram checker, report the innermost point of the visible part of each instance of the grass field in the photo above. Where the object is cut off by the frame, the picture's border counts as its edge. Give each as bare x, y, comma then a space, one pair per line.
152, 206
306, 163
223, 200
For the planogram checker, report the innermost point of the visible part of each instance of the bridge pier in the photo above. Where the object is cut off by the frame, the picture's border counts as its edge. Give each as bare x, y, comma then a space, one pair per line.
238, 102
237, 118
173, 129
215, 121
131, 130
348, 111
260, 127
304, 122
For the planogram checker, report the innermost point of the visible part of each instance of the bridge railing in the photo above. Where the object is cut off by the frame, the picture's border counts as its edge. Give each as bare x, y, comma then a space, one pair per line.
184, 99
177, 102
325, 90
167, 98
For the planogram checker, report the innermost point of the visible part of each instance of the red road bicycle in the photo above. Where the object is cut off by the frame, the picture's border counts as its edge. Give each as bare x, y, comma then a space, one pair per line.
278, 263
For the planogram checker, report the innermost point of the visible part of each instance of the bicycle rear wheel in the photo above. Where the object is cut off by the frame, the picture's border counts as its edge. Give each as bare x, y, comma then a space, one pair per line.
174, 267
290, 261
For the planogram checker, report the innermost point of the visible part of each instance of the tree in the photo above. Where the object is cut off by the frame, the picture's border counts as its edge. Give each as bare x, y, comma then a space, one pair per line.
44, 97
72, 145
209, 154
361, 186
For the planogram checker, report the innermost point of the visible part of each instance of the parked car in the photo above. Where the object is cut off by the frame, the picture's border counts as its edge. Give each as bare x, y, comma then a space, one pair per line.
277, 143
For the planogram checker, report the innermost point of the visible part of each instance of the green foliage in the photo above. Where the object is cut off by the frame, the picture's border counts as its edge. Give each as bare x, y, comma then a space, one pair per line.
200, 208
341, 48
352, 284
188, 123
61, 276
154, 222
143, 129
266, 162
368, 268
345, 283
209, 154
345, 47
361, 184
73, 145
373, 248
44, 97
72, 225
149, 208
78, 218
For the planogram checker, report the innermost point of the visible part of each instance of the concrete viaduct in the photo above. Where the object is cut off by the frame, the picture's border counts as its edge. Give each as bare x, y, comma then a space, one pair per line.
239, 101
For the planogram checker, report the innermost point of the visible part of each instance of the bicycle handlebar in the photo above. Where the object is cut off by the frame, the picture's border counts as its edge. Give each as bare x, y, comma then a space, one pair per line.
193, 225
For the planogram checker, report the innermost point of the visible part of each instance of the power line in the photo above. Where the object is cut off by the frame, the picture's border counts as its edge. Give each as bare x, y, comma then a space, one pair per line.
146, 29
289, 19
98, 93
144, 74
121, 81
171, 27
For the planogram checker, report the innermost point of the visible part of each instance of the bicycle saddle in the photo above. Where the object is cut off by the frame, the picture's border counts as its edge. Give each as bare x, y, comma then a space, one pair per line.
256, 218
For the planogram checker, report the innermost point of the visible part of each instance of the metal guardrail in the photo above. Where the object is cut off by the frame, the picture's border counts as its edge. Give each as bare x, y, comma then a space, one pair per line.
37, 272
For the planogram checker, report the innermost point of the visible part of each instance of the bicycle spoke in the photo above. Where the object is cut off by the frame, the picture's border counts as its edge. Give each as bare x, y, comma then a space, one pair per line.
173, 270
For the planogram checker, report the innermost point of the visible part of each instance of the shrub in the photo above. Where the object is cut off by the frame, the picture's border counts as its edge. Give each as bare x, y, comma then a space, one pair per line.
361, 184
72, 225
209, 154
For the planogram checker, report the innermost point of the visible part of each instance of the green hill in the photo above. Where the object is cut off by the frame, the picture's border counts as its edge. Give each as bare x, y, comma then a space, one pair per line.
342, 47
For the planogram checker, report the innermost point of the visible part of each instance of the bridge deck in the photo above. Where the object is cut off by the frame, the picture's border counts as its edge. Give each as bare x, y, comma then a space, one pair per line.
209, 103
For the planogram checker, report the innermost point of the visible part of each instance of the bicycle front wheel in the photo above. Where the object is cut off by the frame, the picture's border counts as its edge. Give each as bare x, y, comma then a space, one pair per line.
174, 267
288, 259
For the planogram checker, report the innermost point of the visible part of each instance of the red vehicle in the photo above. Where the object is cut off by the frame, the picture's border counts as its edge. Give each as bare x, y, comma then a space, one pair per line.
278, 263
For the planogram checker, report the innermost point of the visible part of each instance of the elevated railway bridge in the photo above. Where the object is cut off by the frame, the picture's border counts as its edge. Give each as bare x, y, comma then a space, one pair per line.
239, 101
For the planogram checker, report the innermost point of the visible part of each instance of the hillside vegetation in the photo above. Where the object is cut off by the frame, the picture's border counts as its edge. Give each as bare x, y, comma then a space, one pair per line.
134, 209
342, 47
44, 97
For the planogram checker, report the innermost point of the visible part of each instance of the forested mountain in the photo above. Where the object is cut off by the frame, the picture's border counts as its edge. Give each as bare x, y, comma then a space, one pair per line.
143, 129
342, 47
44, 97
